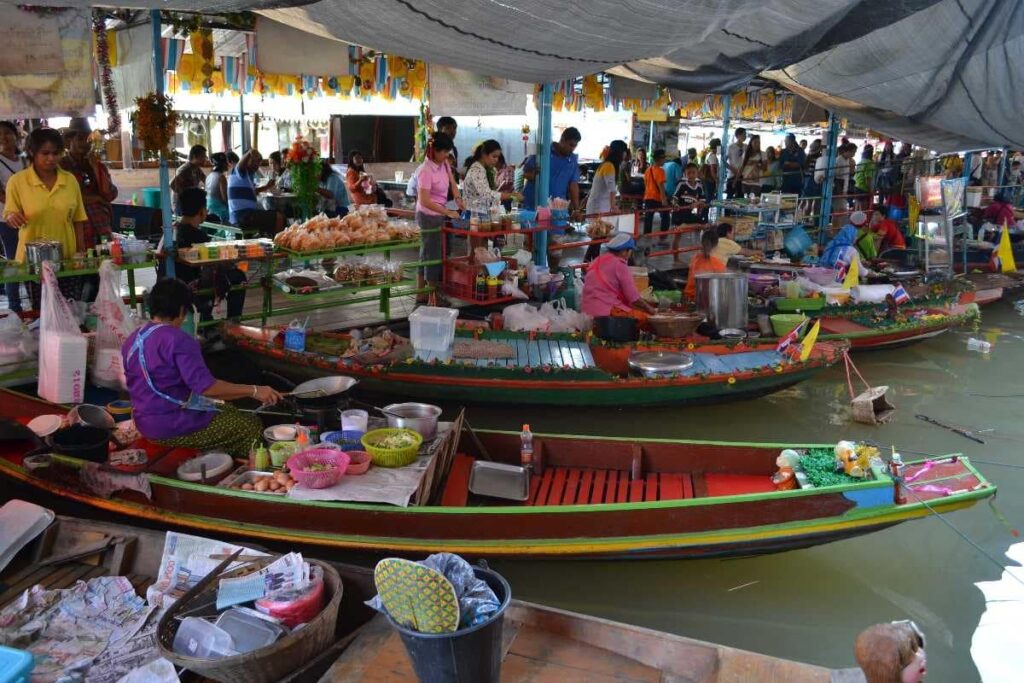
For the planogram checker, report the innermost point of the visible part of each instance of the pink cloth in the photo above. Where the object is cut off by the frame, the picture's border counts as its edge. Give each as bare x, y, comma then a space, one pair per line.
608, 285
434, 179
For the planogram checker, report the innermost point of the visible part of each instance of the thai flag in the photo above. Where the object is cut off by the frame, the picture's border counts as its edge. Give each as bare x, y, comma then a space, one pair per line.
791, 338
840, 271
900, 295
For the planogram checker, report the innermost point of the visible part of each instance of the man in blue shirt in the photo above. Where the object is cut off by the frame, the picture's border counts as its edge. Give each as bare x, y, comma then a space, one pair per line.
242, 204
673, 174
792, 160
565, 173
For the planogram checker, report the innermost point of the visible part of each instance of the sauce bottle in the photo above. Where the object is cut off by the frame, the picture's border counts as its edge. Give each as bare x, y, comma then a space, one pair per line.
301, 438
896, 468
526, 447
481, 285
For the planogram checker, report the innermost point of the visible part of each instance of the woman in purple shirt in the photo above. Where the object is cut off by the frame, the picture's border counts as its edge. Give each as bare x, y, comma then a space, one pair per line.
175, 399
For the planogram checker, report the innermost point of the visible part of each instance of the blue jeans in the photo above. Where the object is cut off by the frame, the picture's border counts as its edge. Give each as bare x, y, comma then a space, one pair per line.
9, 240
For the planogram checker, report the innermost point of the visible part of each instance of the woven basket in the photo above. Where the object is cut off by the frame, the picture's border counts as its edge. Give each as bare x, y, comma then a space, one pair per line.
267, 664
675, 326
391, 457
298, 463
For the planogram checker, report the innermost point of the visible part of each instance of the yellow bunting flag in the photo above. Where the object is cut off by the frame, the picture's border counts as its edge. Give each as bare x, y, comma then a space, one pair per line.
807, 345
852, 278
1005, 252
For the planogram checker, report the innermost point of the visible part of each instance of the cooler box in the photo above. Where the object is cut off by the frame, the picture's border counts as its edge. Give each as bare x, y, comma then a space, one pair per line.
15, 665
432, 330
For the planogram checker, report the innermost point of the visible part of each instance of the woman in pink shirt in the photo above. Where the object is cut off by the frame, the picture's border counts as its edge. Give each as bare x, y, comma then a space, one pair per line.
433, 179
608, 288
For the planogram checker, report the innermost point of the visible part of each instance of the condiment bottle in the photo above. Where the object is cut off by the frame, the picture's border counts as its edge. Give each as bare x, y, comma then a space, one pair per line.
115, 251
526, 447
261, 461
301, 438
896, 472
481, 285
492, 287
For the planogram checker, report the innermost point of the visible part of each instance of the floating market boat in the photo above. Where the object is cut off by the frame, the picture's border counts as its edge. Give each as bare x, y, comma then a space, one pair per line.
538, 640
525, 369
588, 497
869, 331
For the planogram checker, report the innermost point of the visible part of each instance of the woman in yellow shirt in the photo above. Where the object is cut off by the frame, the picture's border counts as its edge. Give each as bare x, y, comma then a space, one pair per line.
44, 201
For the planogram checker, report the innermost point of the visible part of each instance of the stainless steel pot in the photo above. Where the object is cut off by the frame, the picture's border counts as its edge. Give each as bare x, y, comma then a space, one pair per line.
43, 250
723, 298
419, 417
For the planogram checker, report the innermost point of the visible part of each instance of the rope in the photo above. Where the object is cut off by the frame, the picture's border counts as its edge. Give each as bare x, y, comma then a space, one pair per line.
849, 380
962, 535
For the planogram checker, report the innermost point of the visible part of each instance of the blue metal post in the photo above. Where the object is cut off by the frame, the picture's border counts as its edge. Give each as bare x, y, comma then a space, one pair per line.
543, 184
241, 123
165, 181
723, 161
830, 176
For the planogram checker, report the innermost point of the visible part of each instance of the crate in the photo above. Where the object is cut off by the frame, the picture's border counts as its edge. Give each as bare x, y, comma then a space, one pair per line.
743, 226
460, 277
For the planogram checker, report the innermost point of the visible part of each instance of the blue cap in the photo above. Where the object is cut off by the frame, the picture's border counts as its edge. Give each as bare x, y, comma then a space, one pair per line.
621, 241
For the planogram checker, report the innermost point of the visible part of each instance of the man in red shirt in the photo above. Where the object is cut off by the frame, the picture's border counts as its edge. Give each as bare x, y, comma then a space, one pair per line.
886, 231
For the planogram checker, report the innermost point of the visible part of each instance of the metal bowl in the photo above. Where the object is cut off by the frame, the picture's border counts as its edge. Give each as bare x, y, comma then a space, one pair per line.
419, 417
660, 363
91, 416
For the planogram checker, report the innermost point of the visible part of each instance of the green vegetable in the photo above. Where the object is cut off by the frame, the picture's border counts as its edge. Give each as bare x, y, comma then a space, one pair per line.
820, 467
397, 441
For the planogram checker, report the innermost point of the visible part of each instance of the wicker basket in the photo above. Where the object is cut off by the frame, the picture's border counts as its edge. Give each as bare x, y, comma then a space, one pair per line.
267, 664
391, 457
675, 326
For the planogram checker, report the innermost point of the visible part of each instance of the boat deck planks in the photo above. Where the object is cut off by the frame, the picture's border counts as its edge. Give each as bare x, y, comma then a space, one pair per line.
456, 491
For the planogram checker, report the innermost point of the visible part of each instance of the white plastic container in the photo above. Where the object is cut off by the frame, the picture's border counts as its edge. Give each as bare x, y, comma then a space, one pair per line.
354, 420
432, 331
979, 345
199, 638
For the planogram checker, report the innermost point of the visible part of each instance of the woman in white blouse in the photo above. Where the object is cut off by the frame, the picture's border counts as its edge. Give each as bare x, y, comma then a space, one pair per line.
479, 187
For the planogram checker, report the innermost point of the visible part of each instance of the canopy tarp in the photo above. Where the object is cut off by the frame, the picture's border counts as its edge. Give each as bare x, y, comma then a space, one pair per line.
941, 73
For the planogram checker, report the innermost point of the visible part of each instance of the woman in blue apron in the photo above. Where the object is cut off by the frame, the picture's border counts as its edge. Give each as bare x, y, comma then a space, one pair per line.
176, 401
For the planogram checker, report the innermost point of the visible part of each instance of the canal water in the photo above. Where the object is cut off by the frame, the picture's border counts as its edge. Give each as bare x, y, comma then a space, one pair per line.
810, 604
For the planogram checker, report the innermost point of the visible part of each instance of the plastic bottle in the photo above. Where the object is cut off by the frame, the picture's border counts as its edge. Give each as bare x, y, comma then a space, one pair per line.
115, 251
526, 448
896, 469
301, 438
978, 345
481, 285
261, 461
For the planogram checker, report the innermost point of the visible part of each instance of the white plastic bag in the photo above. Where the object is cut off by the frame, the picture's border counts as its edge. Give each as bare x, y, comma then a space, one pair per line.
62, 346
524, 318
114, 322
16, 342
562, 318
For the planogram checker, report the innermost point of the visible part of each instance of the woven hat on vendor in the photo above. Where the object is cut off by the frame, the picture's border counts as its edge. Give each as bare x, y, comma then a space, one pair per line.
858, 218
621, 241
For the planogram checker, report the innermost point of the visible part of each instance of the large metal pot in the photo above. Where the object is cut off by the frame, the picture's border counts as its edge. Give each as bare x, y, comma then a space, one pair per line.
723, 298
419, 417
43, 250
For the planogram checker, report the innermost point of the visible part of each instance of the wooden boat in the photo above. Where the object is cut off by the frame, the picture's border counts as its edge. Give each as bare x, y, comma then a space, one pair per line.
539, 643
550, 370
594, 498
864, 333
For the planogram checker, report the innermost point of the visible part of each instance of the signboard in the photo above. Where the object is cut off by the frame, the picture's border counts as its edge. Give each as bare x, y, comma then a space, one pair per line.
953, 191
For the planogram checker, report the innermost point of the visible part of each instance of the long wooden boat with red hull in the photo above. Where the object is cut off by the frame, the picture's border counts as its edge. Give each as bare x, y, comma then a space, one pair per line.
551, 370
594, 498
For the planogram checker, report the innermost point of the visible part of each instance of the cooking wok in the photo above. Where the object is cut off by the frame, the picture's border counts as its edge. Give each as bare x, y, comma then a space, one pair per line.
316, 393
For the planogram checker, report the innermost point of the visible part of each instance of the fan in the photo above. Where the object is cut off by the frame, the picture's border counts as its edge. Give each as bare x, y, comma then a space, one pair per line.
197, 128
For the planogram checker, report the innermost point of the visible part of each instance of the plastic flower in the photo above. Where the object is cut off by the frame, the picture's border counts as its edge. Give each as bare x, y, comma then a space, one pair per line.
732, 380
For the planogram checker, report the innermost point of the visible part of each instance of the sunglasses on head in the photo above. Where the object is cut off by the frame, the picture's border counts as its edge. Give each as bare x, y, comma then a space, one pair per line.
913, 627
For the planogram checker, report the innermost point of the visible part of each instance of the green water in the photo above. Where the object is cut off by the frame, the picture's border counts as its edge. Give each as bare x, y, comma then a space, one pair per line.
810, 604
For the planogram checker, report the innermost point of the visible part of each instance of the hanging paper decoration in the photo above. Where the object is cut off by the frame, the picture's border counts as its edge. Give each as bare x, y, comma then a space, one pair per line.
202, 50
99, 27
155, 122
172, 49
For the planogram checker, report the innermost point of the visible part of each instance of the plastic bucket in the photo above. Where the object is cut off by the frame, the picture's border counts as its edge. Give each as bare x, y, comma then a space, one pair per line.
784, 323
151, 197
471, 655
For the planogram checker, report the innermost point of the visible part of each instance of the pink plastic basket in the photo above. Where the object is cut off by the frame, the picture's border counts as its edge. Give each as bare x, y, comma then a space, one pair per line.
298, 463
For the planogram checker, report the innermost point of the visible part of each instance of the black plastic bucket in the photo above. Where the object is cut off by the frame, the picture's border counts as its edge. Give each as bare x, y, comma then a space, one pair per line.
616, 328
471, 655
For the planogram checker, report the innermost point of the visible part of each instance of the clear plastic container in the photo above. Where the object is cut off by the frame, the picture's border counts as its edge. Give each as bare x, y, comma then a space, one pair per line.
979, 345
248, 632
199, 638
432, 329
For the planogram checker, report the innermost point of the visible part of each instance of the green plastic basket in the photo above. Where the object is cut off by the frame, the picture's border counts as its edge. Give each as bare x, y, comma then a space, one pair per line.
805, 304
391, 457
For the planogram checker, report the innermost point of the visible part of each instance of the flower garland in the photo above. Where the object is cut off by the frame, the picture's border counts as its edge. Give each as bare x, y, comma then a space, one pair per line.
155, 122
304, 167
99, 28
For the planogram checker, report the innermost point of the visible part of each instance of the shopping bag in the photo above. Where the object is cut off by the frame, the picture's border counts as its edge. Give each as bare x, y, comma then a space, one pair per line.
114, 322
62, 346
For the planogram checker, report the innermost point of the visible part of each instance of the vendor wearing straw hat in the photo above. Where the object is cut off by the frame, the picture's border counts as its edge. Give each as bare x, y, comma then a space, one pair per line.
609, 287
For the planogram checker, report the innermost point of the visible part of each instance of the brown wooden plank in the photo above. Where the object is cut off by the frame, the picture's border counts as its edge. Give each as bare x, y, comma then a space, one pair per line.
545, 486
456, 491
687, 486
534, 487
69, 578
557, 486
622, 494
23, 583
557, 658
651, 487
586, 481
671, 486
597, 491
571, 485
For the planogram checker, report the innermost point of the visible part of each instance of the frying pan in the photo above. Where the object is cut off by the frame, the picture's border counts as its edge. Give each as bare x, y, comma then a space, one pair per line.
316, 393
